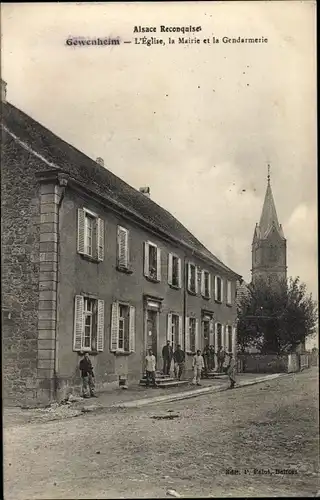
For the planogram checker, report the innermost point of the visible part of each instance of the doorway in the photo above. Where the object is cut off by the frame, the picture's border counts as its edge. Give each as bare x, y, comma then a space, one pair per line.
152, 331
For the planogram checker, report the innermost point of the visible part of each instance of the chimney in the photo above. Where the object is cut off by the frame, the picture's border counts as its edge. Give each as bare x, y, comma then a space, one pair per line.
100, 161
3, 91
145, 191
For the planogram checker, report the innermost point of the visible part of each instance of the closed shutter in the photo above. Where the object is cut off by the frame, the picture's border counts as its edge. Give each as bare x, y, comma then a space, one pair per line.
78, 323
189, 276
215, 288
146, 259
180, 332
197, 273
132, 329
80, 232
209, 285
187, 335
114, 336
203, 291
169, 327
100, 239
222, 297
179, 273
158, 264
197, 339
170, 266
234, 339
100, 326
123, 247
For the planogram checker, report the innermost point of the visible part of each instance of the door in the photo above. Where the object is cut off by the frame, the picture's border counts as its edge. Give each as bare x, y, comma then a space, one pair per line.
152, 332
205, 332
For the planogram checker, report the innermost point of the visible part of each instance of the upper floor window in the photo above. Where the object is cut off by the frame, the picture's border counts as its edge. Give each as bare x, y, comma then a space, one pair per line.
229, 293
174, 270
152, 261
122, 338
192, 278
218, 289
205, 284
122, 248
90, 237
88, 324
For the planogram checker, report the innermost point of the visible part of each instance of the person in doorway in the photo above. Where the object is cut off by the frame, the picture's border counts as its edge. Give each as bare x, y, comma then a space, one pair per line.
179, 359
198, 365
221, 355
231, 370
151, 369
206, 359
167, 354
212, 358
87, 375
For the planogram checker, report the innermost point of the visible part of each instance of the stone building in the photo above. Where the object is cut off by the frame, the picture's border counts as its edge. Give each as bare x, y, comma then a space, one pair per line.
269, 246
91, 264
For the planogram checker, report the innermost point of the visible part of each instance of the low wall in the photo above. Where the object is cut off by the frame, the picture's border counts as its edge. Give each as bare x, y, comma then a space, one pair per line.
273, 363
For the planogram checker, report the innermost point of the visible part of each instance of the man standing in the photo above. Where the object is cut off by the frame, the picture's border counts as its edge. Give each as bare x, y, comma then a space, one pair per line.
221, 354
231, 371
179, 358
198, 365
206, 359
167, 354
151, 369
87, 375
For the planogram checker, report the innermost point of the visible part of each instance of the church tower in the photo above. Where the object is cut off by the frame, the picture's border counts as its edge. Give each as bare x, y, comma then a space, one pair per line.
269, 246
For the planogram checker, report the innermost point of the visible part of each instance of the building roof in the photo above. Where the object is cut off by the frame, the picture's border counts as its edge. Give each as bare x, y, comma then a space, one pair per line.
269, 217
100, 180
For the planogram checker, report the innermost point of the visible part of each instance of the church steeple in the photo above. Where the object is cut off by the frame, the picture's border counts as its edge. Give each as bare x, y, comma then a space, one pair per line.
269, 244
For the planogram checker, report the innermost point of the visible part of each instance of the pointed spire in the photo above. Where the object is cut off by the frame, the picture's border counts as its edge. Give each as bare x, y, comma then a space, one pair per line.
269, 218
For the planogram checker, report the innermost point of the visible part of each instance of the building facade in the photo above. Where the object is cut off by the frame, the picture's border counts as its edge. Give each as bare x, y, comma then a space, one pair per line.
91, 264
269, 246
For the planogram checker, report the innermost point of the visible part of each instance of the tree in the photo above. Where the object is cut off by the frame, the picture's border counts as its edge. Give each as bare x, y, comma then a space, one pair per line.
276, 317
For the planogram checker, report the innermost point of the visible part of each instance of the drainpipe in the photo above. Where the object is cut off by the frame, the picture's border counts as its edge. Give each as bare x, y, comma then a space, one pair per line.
63, 181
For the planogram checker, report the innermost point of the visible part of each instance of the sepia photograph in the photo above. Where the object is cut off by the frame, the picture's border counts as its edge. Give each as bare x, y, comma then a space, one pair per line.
159, 258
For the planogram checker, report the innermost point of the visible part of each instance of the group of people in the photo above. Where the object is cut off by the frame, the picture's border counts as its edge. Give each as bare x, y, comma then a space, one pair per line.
202, 363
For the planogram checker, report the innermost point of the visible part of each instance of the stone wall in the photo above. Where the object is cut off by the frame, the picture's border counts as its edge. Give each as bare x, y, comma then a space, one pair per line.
20, 270
262, 363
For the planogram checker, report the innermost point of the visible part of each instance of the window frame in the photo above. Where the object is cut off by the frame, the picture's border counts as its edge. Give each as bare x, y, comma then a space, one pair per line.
229, 295
94, 252
204, 273
157, 277
190, 265
97, 324
171, 257
216, 298
131, 328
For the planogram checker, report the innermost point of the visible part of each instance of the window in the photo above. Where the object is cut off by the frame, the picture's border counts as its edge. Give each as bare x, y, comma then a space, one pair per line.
174, 270
122, 248
122, 338
205, 284
192, 278
191, 341
88, 324
229, 338
90, 237
229, 293
152, 261
174, 331
218, 289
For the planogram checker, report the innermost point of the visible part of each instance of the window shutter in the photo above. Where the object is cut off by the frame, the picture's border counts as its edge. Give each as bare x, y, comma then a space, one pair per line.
234, 339
223, 336
197, 335
80, 234
221, 290
100, 326
169, 327
78, 323
123, 247
170, 257
179, 273
197, 275
114, 337
209, 285
100, 239
189, 276
187, 335
132, 329
146, 259
216, 335
215, 288
158, 264
180, 331
202, 283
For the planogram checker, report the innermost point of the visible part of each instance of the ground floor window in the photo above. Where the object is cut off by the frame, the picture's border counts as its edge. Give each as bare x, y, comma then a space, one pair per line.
88, 324
122, 336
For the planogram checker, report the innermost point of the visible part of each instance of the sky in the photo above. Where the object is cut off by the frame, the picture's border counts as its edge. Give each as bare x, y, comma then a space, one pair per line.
197, 123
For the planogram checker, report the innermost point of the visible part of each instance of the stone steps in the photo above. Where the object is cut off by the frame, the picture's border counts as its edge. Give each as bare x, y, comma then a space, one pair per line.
216, 375
165, 381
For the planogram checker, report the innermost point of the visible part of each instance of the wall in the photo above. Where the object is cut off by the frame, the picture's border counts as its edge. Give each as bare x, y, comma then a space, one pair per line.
263, 363
78, 275
20, 271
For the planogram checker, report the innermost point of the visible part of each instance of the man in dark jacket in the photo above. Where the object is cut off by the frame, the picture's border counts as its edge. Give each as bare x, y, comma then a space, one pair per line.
87, 375
221, 355
179, 358
167, 354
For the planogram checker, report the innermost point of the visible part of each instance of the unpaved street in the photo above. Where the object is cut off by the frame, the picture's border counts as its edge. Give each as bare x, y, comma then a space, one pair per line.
128, 454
